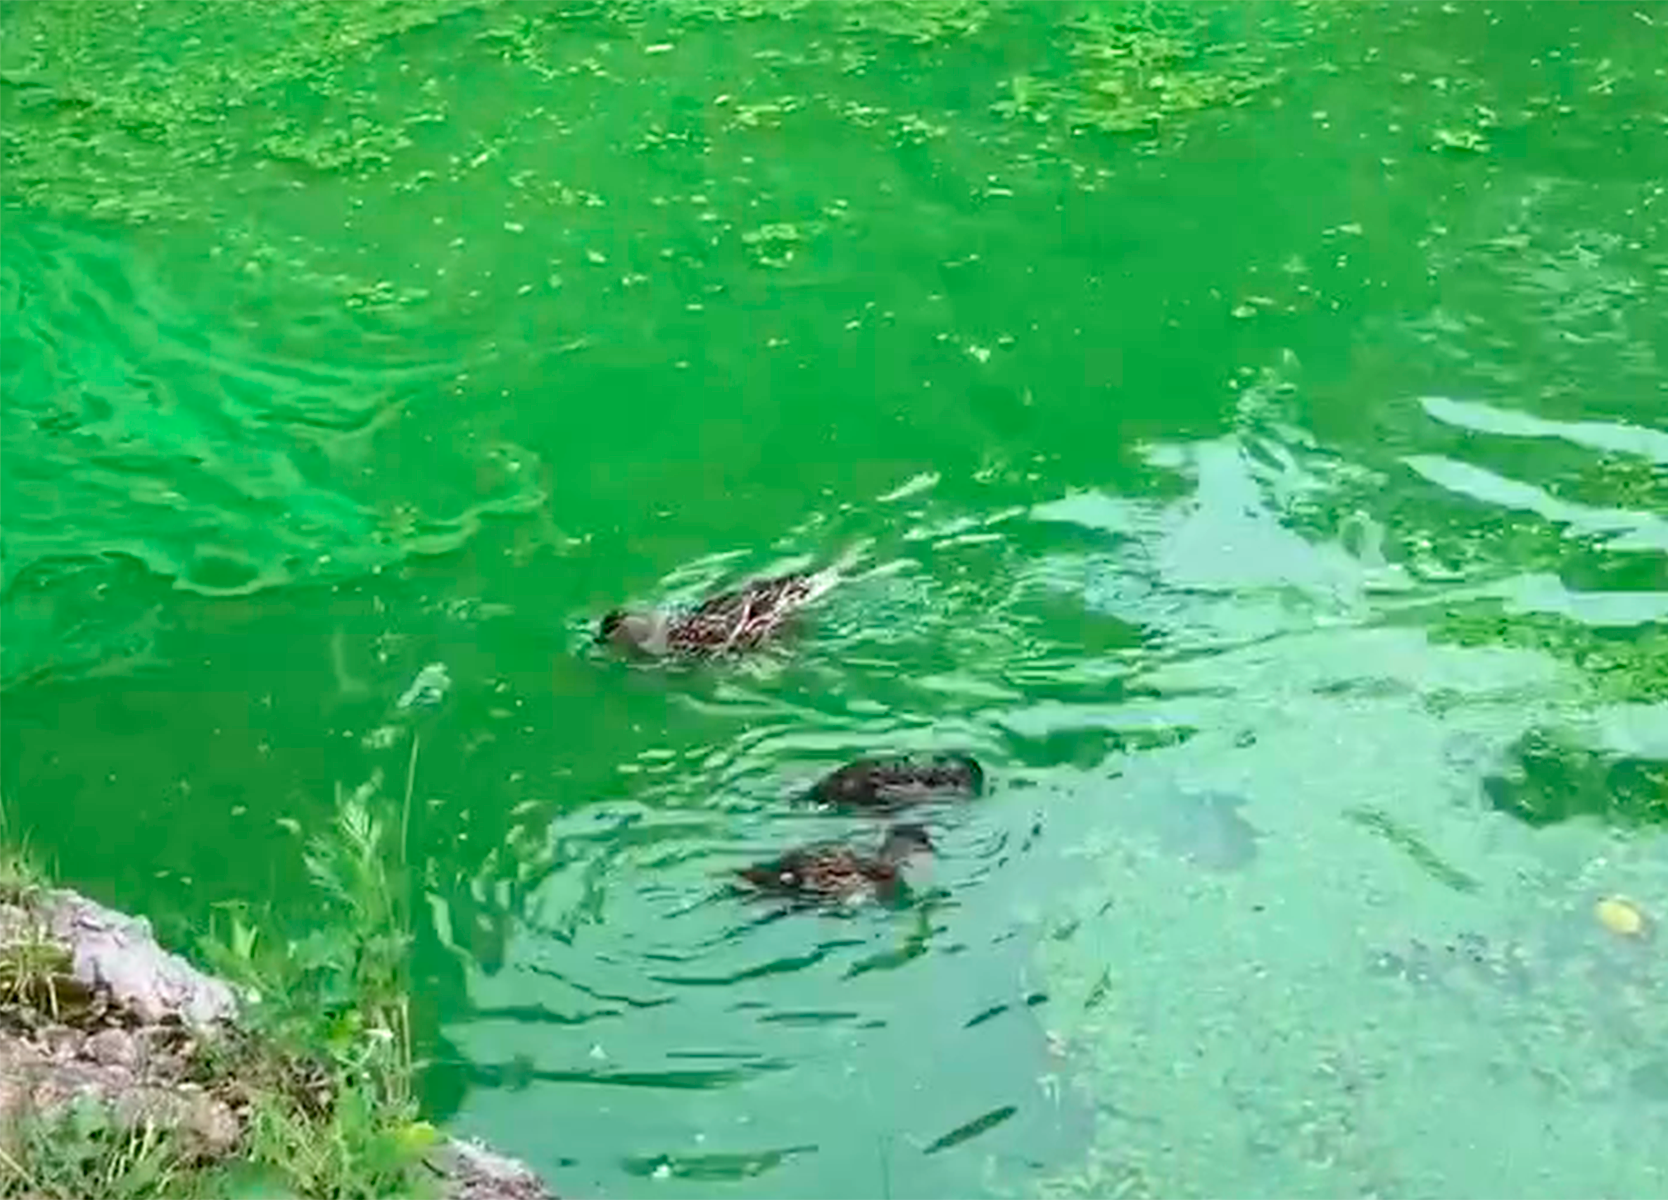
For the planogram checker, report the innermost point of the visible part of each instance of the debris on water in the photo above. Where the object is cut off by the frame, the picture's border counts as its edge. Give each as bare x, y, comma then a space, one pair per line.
382, 737
1621, 917
1464, 960
348, 685
428, 689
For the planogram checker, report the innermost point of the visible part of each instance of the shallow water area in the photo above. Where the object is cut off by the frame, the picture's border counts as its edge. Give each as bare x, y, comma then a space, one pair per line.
1252, 426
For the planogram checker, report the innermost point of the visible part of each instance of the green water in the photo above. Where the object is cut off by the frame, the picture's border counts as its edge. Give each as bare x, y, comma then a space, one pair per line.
1257, 424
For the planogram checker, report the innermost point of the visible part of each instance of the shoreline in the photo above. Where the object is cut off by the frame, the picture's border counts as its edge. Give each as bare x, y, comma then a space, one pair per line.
103, 1029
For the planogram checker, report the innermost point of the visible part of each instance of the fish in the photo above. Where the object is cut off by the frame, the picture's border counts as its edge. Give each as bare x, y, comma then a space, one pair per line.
972, 1129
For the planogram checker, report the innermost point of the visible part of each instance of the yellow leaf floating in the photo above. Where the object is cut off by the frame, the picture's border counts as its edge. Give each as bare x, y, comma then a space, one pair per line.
1621, 917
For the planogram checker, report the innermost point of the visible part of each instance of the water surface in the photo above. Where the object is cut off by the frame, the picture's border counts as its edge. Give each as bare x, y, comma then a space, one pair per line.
1255, 421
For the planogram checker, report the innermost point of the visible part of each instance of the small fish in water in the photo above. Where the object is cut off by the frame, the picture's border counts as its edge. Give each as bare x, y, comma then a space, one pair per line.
744, 618
718, 1168
898, 781
829, 871
428, 689
972, 1129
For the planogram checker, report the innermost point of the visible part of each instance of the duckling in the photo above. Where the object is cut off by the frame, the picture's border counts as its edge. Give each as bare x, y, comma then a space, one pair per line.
900, 780
743, 618
828, 871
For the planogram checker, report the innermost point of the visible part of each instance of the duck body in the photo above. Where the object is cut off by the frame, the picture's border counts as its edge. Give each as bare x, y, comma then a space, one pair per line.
742, 619
900, 780
829, 871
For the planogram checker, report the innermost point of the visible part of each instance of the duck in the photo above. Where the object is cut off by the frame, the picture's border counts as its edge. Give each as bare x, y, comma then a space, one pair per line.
898, 780
743, 618
830, 871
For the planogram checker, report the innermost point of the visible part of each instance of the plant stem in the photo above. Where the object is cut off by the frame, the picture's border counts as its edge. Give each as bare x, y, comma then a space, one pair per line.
17, 1169
410, 787
404, 918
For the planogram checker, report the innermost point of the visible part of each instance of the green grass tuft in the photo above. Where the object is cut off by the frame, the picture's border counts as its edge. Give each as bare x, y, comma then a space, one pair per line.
321, 1062
85, 1151
22, 877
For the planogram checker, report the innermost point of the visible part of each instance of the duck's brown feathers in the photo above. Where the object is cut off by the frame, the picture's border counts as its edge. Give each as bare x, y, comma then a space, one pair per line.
740, 619
893, 782
743, 618
829, 871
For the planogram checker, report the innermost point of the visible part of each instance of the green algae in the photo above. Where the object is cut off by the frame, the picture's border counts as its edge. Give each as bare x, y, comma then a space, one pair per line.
208, 480
115, 110
136, 113
1139, 68
200, 116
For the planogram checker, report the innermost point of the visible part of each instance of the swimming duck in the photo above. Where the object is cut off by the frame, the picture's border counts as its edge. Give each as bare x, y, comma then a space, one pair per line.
899, 780
741, 619
830, 871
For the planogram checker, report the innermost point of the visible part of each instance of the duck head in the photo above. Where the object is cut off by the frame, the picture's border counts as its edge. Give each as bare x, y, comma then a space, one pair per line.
904, 840
642, 633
